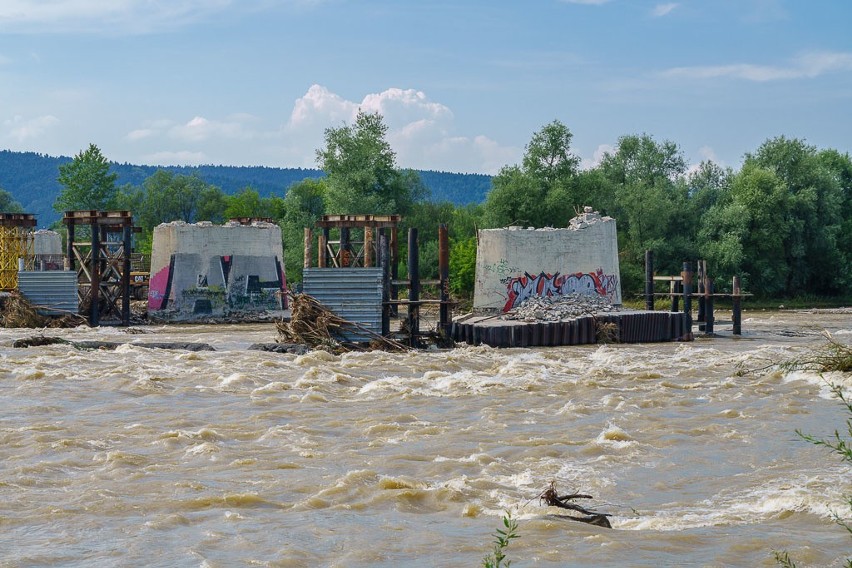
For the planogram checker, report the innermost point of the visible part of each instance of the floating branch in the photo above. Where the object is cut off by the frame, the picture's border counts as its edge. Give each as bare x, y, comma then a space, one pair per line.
553, 499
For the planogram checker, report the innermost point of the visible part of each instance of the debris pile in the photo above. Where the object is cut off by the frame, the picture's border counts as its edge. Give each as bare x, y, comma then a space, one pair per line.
560, 308
314, 325
17, 311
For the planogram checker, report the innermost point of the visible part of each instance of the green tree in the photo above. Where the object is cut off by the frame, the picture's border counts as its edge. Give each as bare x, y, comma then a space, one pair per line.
813, 218
8, 203
425, 217
840, 167
246, 203
362, 177
170, 197
705, 185
88, 183
303, 205
745, 232
548, 155
541, 191
211, 205
166, 196
645, 192
463, 266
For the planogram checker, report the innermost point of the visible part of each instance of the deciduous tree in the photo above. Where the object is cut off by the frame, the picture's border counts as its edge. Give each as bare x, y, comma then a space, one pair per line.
88, 183
362, 176
8, 203
541, 191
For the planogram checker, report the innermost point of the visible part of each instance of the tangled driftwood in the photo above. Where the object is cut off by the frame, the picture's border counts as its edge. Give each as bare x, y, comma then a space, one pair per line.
17, 311
313, 324
553, 499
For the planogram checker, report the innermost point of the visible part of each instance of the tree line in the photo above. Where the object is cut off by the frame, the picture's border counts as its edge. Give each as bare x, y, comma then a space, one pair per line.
782, 222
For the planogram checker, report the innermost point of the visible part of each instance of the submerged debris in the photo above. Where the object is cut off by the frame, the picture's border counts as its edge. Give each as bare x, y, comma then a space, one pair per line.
316, 326
41, 340
560, 308
38, 341
292, 348
553, 499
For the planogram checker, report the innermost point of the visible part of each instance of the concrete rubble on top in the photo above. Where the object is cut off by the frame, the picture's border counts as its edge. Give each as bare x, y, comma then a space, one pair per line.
560, 308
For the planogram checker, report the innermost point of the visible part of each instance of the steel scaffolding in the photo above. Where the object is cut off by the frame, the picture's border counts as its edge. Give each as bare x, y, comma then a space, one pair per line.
16, 245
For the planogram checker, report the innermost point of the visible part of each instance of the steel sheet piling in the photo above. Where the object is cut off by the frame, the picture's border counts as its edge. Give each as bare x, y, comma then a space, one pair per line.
737, 315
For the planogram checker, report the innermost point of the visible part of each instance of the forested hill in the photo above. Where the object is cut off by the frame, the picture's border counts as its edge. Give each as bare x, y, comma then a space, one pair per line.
31, 179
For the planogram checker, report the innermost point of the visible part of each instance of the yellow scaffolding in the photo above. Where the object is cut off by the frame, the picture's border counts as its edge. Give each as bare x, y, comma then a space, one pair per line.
16, 243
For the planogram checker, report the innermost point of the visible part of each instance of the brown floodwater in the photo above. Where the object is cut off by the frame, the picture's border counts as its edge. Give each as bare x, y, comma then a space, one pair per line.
141, 457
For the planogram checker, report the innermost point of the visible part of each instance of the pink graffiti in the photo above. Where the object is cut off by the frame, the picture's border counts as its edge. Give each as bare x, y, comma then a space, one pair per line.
521, 288
157, 289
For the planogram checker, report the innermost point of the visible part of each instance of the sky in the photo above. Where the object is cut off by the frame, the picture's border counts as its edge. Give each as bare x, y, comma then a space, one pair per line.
462, 84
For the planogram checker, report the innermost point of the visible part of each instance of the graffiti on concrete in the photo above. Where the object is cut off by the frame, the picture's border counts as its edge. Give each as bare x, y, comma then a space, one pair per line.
196, 285
522, 287
503, 268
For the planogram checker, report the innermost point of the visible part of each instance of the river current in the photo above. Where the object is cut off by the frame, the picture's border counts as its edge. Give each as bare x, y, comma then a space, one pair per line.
157, 457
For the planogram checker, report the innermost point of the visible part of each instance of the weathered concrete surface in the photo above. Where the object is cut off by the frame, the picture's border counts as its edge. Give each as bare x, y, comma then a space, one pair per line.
47, 250
514, 264
47, 242
202, 270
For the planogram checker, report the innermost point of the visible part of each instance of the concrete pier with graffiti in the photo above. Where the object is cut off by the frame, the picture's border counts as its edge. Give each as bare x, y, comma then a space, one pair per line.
515, 263
201, 270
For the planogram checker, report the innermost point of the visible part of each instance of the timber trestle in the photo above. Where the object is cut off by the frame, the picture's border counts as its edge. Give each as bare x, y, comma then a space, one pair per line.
98, 248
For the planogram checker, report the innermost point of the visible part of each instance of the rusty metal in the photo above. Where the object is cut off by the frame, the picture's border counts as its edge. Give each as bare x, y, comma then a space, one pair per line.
444, 276
103, 265
355, 248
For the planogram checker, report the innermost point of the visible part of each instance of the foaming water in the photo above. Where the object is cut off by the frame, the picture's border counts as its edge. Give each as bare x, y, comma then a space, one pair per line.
235, 457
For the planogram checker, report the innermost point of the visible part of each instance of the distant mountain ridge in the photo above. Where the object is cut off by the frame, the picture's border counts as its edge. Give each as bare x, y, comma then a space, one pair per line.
31, 179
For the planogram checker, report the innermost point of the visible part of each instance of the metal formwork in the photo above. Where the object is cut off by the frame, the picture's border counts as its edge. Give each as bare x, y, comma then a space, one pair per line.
53, 291
102, 263
16, 245
354, 294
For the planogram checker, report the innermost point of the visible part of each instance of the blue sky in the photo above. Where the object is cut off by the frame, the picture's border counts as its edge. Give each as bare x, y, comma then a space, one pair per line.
462, 84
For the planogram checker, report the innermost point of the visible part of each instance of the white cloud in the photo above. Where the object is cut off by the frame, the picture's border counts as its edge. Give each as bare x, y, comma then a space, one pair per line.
661, 10
140, 134
704, 154
807, 65
422, 132
200, 129
708, 154
597, 156
22, 129
319, 102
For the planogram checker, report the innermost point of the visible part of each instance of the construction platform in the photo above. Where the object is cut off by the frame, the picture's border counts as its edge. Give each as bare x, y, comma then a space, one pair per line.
613, 327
